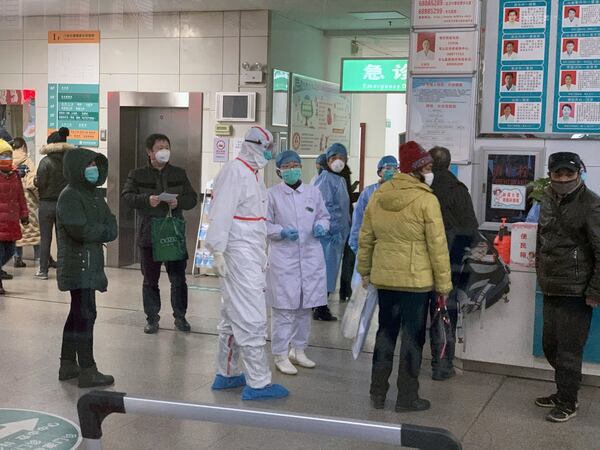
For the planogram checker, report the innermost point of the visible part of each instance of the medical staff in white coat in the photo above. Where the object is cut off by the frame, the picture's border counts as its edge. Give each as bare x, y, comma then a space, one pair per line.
335, 195
296, 277
237, 238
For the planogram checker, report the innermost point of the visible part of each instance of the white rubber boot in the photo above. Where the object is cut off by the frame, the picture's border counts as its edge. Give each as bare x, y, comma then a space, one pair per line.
297, 356
284, 365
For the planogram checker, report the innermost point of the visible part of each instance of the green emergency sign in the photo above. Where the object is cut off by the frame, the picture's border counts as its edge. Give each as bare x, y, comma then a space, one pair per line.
281, 80
374, 75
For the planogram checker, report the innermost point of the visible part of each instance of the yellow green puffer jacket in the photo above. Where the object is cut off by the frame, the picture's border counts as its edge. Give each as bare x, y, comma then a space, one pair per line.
402, 244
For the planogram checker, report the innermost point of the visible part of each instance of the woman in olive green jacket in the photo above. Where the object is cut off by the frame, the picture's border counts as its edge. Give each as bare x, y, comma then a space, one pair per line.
84, 224
403, 253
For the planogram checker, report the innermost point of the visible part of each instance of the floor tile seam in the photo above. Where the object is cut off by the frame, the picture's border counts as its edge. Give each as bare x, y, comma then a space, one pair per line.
484, 407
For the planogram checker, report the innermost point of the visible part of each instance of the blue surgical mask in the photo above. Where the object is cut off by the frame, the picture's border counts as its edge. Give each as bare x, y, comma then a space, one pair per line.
291, 176
583, 176
388, 174
92, 174
268, 154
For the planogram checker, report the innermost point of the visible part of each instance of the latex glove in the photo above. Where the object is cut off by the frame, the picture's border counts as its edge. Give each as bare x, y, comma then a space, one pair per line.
593, 302
366, 280
319, 231
24, 220
220, 265
289, 233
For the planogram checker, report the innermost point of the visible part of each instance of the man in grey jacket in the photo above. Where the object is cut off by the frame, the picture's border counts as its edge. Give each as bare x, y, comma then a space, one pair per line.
568, 270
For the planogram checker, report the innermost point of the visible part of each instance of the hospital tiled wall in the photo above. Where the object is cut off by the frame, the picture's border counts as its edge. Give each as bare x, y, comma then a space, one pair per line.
187, 51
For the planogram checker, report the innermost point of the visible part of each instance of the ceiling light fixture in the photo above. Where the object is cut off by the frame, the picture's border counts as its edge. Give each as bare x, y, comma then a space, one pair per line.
378, 15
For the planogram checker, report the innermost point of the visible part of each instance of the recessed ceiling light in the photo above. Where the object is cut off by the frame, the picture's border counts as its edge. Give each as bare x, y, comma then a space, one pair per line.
378, 15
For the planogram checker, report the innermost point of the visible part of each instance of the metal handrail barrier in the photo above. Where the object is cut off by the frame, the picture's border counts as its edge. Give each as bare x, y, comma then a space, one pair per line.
95, 406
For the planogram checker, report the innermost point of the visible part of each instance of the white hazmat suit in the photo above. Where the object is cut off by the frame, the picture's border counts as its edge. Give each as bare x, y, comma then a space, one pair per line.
237, 238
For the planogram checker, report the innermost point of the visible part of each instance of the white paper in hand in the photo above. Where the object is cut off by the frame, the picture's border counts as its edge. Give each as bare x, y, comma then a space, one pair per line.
166, 197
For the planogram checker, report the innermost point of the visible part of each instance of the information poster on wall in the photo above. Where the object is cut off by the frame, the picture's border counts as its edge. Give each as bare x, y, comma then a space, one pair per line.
447, 51
443, 13
441, 113
577, 87
522, 245
522, 65
320, 115
74, 85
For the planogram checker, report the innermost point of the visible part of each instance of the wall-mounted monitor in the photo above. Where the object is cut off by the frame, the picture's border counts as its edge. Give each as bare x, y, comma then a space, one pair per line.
373, 75
236, 106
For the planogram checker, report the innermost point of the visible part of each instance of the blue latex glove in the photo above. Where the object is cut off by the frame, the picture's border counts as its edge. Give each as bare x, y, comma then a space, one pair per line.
319, 231
289, 233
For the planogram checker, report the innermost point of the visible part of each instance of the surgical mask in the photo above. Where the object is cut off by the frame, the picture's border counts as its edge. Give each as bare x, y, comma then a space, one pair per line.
388, 174
428, 178
163, 156
91, 174
291, 176
337, 166
268, 154
6, 162
565, 187
583, 176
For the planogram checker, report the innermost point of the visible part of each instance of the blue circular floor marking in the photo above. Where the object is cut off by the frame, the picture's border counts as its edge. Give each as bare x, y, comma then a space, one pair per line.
34, 430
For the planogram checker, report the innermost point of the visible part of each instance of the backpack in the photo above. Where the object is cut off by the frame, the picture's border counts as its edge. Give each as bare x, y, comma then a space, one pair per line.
484, 281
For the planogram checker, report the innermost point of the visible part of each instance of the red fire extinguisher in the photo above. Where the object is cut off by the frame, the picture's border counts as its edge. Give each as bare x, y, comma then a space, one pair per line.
502, 242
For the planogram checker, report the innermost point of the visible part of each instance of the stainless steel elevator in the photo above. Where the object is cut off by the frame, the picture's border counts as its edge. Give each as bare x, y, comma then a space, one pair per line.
132, 116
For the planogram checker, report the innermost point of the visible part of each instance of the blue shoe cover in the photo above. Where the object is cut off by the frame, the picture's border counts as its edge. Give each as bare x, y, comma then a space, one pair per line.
270, 391
222, 382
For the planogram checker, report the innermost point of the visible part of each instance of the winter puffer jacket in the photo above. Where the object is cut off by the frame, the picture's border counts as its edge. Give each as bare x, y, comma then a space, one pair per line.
84, 223
13, 206
402, 244
568, 244
49, 179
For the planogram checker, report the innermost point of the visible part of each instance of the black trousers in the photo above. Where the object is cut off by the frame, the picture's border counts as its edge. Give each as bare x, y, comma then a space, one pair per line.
78, 333
436, 340
347, 269
566, 326
151, 292
406, 312
7, 250
47, 218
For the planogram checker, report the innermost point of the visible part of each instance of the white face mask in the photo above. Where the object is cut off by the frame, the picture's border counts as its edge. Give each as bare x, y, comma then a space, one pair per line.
428, 178
163, 156
337, 166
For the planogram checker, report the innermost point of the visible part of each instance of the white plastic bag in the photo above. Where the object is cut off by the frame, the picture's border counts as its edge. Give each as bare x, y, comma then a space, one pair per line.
354, 309
366, 316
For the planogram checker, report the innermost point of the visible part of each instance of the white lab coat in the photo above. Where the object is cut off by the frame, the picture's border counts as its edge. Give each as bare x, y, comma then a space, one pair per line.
238, 230
296, 276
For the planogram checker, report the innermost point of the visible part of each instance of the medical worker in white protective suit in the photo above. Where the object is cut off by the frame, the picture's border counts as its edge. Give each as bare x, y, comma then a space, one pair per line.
335, 195
296, 277
237, 238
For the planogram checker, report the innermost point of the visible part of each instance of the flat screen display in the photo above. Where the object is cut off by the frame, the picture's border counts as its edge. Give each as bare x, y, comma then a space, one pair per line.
235, 106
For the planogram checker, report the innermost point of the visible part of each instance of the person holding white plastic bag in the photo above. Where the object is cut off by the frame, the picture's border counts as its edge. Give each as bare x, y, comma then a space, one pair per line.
237, 238
296, 277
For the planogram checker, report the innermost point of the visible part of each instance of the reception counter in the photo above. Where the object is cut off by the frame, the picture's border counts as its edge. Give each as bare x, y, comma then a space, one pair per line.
504, 339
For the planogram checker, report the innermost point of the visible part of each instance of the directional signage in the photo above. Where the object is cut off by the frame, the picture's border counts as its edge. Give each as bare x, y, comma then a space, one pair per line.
374, 75
25, 429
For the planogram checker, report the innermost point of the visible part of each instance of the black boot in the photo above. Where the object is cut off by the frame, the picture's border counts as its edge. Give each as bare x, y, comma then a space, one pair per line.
68, 370
5, 275
51, 263
323, 313
2, 291
19, 264
90, 377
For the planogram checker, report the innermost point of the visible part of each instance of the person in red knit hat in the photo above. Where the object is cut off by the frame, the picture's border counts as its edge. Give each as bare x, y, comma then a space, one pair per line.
13, 207
402, 251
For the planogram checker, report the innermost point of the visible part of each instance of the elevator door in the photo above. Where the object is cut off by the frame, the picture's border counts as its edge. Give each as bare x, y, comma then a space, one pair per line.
137, 123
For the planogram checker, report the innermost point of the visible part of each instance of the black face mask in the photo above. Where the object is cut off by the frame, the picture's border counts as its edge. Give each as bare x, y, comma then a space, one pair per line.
565, 187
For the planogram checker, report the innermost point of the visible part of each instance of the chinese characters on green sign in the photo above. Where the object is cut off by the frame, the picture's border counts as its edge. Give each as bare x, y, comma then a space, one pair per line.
374, 75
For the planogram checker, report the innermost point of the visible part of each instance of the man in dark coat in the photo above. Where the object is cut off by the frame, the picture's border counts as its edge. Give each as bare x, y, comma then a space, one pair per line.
461, 232
141, 192
84, 224
568, 271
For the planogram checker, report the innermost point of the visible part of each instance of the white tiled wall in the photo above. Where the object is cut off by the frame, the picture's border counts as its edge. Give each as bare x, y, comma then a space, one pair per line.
188, 51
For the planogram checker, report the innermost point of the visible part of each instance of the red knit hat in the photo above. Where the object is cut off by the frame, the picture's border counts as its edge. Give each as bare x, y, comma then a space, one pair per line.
413, 157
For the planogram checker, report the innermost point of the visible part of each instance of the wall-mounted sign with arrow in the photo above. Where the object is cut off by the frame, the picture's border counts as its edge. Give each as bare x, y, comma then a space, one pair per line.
21, 428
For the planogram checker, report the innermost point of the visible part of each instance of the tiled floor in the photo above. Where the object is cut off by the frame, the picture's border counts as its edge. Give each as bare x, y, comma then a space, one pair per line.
484, 411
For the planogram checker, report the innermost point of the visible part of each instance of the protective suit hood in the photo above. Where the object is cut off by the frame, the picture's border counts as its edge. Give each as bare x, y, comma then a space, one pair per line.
256, 141
400, 192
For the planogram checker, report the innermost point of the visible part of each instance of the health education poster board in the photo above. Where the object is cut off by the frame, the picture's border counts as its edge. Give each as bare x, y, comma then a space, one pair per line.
577, 85
522, 66
444, 13
441, 113
320, 115
443, 52
74, 84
